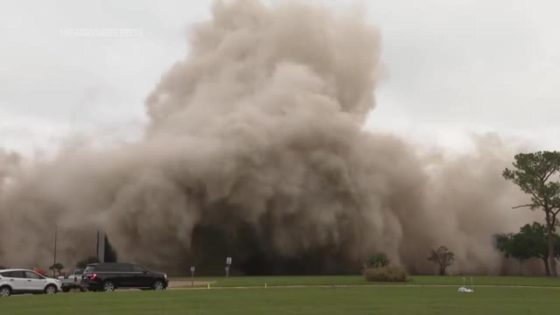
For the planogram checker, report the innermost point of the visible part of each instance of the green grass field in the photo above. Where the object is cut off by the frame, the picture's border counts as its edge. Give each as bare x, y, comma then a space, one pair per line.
222, 282
423, 295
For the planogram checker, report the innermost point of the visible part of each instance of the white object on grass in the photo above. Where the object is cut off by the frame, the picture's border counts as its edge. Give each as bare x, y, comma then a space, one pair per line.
465, 290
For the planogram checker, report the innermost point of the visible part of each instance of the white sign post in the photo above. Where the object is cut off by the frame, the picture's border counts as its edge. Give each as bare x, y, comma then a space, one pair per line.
193, 269
228, 264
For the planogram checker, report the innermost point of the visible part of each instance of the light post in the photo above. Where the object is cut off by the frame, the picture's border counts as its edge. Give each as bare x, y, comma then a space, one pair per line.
193, 268
228, 264
54, 250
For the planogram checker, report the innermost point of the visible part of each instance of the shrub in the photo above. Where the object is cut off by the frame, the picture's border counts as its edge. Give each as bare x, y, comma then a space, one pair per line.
386, 274
377, 261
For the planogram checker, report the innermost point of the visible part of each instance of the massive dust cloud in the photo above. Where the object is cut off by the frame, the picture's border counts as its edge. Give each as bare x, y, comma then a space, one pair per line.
255, 149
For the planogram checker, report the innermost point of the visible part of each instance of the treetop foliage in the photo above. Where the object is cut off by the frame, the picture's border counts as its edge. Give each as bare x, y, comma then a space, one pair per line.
530, 242
57, 266
537, 174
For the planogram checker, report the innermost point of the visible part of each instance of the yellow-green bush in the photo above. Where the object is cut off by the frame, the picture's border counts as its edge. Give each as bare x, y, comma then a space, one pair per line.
386, 274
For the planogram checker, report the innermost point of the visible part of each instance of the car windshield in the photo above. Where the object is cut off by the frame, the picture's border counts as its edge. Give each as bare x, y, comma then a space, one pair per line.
89, 269
78, 271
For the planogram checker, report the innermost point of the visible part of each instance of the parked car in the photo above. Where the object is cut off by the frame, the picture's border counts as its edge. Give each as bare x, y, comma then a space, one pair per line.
109, 276
76, 275
13, 281
73, 281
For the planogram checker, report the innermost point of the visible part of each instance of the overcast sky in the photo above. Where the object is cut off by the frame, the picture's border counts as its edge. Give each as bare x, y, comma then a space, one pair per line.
453, 68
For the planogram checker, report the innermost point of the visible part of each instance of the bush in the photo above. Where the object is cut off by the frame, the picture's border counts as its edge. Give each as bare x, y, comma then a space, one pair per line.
386, 274
377, 261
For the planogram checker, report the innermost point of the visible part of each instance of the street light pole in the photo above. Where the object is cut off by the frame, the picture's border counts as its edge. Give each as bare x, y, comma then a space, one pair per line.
55, 241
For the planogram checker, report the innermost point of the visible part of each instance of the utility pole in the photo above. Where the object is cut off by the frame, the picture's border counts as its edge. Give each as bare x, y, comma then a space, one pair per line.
97, 245
54, 252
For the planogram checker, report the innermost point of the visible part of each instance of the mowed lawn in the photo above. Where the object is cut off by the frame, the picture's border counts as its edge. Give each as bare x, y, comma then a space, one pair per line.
421, 299
261, 281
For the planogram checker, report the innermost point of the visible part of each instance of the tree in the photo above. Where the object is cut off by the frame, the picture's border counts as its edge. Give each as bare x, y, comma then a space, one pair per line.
443, 257
504, 243
57, 267
537, 174
84, 262
530, 242
377, 261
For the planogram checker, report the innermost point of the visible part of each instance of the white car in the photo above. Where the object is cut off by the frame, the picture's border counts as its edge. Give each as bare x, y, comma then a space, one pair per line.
77, 275
74, 281
14, 281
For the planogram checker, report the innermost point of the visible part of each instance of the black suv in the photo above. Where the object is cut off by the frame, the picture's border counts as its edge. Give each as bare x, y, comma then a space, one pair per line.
109, 276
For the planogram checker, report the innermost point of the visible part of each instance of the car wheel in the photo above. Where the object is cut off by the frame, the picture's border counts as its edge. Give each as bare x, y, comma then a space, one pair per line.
65, 289
158, 285
50, 289
108, 286
5, 291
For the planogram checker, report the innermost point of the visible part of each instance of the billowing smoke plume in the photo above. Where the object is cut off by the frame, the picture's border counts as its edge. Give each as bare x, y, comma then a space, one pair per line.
255, 149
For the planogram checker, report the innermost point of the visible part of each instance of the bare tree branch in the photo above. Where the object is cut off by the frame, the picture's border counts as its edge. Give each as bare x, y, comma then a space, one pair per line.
523, 206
